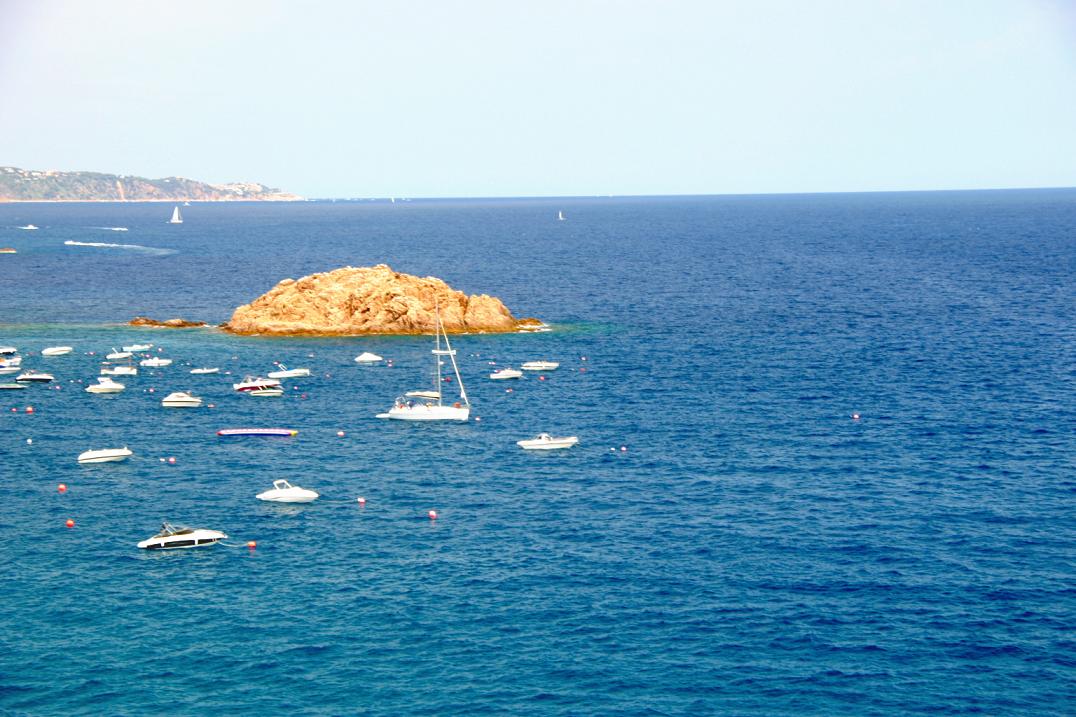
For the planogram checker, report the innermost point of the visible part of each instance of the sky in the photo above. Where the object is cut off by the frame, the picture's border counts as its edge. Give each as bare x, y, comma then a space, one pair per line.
457, 98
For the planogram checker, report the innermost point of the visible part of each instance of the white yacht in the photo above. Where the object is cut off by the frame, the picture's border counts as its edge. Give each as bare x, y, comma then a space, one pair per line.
171, 537
138, 347
284, 492
116, 355
286, 372
251, 383
545, 442
204, 371
506, 372
119, 370
434, 409
32, 376
105, 384
56, 351
367, 357
105, 455
539, 366
181, 399
155, 362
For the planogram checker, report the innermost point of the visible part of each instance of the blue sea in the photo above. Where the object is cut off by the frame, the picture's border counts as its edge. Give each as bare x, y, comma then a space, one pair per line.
725, 539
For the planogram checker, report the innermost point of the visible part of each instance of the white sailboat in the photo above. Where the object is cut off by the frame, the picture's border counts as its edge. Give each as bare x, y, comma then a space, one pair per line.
560, 216
176, 218
434, 409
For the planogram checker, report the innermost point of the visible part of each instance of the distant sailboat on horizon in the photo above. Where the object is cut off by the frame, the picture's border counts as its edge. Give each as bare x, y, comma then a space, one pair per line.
560, 216
176, 218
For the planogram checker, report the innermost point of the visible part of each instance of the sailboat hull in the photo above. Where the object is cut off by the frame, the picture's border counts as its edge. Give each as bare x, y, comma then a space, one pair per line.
422, 412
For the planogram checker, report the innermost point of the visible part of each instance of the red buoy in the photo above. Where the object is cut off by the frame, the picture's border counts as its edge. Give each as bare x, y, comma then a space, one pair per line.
432, 514
172, 460
340, 434
70, 523
29, 409
61, 488
251, 544
361, 500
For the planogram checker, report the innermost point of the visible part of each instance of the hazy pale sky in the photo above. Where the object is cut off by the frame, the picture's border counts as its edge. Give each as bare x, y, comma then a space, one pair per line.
575, 97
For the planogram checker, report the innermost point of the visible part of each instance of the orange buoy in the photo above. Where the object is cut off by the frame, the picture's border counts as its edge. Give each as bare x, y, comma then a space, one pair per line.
432, 514
361, 500
29, 409
62, 488
70, 523
251, 544
340, 434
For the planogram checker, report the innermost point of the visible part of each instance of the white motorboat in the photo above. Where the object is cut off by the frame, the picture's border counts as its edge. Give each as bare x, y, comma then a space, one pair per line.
11, 386
204, 371
155, 362
8, 369
12, 361
119, 371
506, 373
265, 391
105, 384
105, 455
367, 357
434, 409
181, 399
171, 537
545, 442
8, 350
251, 383
284, 492
176, 217
286, 372
539, 366
31, 376
138, 347
115, 355
57, 351
31, 227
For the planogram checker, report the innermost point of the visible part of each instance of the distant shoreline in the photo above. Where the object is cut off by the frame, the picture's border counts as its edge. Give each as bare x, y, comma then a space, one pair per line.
145, 201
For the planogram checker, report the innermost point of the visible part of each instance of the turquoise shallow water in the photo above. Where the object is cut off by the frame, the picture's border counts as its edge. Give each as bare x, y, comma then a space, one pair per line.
755, 550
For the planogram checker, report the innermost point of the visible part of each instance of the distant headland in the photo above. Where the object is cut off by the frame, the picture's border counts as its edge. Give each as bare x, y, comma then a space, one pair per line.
29, 185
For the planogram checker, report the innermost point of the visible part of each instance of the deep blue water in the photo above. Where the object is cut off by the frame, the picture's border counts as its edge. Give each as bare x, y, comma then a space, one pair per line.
754, 551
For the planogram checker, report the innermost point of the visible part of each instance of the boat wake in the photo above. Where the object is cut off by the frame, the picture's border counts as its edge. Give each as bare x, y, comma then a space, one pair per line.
112, 229
136, 247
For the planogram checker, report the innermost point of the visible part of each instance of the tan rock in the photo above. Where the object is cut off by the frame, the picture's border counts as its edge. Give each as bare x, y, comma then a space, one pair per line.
370, 300
169, 324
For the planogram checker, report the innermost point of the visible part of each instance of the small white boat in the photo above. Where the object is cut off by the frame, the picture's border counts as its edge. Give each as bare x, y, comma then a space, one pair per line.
170, 537
251, 383
138, 347
204, 371
181, 399
11, 361
30, 227
286, 372
155, 362
176, 217
506, 373
546, 442
367, 357
8, 350
539, 366
119, 371
105, 384
11, 386
433, 395
118, 355
31, 376
8, 369
56, 351
265, 391
560, 216
284, 492
105, 455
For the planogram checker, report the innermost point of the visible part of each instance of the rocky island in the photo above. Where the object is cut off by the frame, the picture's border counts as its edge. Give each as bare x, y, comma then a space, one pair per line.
31, 185
370, 300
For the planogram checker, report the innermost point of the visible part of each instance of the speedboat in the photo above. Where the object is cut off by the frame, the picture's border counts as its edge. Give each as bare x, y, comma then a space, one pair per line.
8, 250
10, 365
105, 384
251, 383
181, 399
539, 366
56, 351
28, 226
138, 347
32, 376
105, 455
286, 372
171, 537
506, 373
119, 371
11, 386
118, 355
203, 371
285, 492
546, 442
155, 362
367, 357
280, 432
8, 369
265, 391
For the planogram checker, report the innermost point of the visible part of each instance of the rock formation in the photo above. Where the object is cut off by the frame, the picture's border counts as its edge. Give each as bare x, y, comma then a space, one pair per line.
169, 324
370, 300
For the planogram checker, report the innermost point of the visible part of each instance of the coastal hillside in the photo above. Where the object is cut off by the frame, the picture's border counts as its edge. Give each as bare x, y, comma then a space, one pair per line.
29, 185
